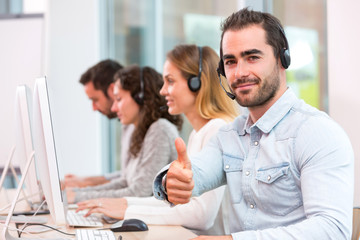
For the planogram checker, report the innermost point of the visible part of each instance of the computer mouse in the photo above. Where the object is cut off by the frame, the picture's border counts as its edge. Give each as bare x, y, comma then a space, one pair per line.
129, 225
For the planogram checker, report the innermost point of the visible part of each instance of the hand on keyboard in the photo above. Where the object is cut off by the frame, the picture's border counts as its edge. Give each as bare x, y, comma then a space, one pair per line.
77, 219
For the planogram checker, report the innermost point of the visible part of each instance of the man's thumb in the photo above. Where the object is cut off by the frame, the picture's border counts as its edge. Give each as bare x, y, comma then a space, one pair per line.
182, 155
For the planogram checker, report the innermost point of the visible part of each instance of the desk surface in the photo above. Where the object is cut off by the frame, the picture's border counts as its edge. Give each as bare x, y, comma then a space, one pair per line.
156, 232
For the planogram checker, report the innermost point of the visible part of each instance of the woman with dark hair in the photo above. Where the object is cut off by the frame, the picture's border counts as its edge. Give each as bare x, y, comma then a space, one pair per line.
138, 101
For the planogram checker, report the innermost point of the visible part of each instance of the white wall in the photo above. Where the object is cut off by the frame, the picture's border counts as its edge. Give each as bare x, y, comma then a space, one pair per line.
72, 45
21, 61
343, 69
62, 45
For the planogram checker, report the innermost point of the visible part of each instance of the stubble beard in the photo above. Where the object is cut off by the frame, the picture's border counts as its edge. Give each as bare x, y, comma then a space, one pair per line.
268, 89
111, 115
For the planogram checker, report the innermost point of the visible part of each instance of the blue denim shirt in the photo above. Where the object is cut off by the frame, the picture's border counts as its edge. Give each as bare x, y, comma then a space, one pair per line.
290, 174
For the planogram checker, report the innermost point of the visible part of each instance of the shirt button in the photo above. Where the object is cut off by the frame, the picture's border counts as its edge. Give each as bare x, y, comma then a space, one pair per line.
227, 166
251, 206
269, 178
256, 143
247, 173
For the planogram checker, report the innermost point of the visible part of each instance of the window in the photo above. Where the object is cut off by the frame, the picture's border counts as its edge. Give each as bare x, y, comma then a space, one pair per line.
306, 34
142, 31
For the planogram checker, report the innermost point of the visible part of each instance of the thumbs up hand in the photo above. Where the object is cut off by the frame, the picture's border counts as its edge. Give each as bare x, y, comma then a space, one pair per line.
179, 182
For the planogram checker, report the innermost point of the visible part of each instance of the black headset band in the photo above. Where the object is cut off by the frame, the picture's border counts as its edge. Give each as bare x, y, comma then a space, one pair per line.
282, 32
141, 80
200, 61
139, 97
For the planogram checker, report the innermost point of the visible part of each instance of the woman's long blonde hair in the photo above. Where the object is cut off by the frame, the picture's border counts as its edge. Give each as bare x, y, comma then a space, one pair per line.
211, 101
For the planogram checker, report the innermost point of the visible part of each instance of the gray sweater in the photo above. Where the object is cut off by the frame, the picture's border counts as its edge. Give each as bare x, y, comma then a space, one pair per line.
158, 150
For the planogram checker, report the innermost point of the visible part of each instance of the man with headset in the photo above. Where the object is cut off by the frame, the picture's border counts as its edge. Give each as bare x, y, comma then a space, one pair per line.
98, 82
288, 166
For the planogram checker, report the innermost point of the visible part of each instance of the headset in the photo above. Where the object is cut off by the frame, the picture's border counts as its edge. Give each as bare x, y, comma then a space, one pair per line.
285, 52
139, 97
284, 58
194, 82
221, 71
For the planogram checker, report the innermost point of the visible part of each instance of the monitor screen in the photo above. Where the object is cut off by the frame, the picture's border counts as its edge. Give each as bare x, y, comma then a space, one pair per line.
45, 152
24, 144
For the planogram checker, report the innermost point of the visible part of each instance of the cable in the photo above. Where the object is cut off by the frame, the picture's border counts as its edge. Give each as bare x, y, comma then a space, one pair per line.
52, 228
14, 229
26, 223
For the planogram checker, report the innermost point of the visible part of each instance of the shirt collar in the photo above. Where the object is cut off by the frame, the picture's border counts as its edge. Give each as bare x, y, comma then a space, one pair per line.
275, 113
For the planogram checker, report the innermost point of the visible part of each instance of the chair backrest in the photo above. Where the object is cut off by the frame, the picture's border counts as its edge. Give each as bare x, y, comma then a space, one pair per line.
356, 224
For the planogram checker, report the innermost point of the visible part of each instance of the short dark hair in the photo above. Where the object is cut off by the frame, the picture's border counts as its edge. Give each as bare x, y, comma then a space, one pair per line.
101, 75
245, 17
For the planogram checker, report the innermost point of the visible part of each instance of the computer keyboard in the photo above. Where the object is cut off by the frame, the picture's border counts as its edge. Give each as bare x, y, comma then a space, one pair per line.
77, 219
93, 234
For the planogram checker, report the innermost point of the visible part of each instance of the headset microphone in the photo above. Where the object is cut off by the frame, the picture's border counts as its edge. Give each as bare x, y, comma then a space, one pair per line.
230, 95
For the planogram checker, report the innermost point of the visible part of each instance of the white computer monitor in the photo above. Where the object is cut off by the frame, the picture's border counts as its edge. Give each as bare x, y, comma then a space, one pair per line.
24, 143
45, 152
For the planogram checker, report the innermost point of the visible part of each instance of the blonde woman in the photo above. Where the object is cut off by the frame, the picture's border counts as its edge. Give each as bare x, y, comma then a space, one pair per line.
191, 87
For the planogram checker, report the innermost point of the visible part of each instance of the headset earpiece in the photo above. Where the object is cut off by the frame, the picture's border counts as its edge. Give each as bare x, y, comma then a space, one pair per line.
285, 58
285, 52
220, 70
194, 82
139, 97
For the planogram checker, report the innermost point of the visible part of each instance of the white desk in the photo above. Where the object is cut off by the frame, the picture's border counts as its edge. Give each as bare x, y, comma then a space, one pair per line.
155, 232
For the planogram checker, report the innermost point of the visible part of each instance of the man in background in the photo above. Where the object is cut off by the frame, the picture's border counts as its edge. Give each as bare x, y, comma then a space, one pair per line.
98, 82
98, 85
